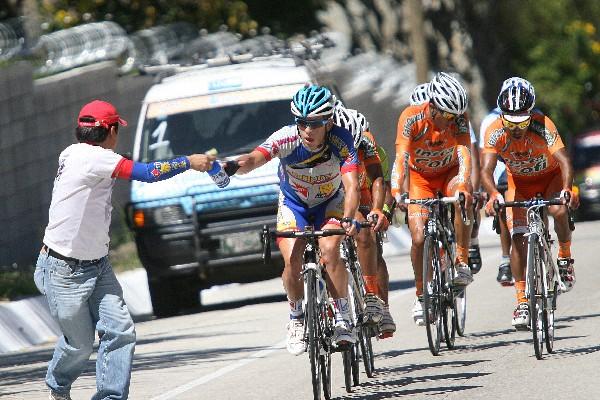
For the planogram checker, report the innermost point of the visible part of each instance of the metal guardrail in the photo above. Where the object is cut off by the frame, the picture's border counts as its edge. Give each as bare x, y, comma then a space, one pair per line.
12, 38
179, 44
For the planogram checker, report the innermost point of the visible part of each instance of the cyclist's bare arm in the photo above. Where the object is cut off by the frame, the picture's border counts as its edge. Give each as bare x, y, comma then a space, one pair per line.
475, 167
250, 161
566, 169
487, 172
352, 194
377, 186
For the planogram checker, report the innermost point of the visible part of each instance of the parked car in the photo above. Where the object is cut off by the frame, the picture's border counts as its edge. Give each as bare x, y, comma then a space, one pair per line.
586, 162
189, 233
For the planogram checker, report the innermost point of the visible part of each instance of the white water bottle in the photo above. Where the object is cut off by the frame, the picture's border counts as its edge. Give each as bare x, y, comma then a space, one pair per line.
218, 175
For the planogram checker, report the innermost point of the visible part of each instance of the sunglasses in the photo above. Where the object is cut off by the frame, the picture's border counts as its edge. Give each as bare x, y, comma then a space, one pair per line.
516, 125
313, 124
445, 114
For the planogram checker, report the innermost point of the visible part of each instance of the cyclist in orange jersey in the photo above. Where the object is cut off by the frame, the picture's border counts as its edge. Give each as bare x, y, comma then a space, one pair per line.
537, 163
372, 195
433, 148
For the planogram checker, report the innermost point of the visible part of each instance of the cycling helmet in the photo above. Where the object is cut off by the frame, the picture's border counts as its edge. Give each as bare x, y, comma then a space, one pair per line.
313, 101
346, 118
517, 96
419, 94
361, 122
447, 94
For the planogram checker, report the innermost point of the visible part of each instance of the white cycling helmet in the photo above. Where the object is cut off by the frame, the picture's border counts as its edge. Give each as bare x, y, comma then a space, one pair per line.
419, 94
447, 94
361, 121
346, 118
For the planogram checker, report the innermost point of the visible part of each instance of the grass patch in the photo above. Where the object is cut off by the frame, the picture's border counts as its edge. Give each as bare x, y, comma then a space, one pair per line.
124, 257
17, 284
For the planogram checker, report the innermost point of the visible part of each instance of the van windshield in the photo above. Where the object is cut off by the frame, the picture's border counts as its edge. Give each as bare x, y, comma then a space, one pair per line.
232, 129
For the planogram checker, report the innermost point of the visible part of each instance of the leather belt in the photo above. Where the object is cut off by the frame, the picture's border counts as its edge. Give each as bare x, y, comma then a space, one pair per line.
54, 254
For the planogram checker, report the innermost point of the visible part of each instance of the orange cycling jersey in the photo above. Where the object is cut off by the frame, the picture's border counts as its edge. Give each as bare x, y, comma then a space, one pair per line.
530, 156
422, 148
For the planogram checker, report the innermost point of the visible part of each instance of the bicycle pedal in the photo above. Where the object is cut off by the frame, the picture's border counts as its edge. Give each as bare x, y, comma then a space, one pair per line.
386, 335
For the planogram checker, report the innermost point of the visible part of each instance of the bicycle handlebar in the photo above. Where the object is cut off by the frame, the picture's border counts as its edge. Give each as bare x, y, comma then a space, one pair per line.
266, 236
445, 200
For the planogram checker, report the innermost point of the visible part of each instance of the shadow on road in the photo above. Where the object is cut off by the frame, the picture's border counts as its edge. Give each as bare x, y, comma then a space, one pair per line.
387, 384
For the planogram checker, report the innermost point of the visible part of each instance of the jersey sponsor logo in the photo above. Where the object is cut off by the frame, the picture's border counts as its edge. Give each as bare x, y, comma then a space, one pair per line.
434, 158
529, 166
325, 191
340, 145
410, 122
59, 172
313, 179
301, 190
549, 136
496, 134
521, 155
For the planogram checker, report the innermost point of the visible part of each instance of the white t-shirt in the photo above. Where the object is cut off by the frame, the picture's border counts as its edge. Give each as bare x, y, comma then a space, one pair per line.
79, 216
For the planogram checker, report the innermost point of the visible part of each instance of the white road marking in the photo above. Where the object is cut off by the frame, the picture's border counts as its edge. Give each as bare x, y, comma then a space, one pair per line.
220, 372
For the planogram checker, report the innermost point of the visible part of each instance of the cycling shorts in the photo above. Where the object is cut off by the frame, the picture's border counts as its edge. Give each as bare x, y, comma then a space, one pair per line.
422, 187
295, 216
549, 185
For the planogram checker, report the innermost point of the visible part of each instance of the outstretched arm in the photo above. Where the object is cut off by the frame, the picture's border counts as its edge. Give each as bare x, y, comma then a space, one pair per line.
251, 161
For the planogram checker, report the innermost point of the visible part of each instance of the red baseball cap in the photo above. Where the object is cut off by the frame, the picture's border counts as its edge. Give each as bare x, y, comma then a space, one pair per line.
103, 113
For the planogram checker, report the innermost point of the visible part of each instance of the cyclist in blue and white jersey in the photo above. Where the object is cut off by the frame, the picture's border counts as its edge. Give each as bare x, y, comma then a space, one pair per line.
319, 186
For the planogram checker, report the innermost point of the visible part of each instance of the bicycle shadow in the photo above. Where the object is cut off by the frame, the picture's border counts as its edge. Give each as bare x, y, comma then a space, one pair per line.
387, 385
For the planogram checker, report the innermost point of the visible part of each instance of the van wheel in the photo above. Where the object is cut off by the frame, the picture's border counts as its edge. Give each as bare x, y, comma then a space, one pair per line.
173, 295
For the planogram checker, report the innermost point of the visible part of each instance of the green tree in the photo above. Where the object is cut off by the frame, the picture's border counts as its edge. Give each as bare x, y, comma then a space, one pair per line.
556, 46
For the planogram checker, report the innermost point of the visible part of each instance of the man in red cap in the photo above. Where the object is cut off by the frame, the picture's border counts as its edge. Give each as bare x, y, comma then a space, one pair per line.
73, 269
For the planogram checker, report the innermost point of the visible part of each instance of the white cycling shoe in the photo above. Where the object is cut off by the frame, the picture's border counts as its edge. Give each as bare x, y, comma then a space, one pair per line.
296, 344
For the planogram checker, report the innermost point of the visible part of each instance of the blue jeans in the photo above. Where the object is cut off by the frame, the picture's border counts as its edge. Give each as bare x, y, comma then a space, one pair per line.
84, 297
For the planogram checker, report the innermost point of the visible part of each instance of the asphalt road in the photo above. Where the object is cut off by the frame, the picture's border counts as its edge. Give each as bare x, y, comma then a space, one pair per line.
237, 350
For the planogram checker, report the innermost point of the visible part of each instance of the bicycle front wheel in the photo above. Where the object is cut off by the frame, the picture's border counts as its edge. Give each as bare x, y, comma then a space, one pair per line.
432, 294
536, 301
448, 319
314, 333
460, 311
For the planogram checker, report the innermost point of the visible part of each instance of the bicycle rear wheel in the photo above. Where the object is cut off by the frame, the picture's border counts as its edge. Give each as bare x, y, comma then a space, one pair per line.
536, 301
347, 361
314, 333
366, 351
432, 295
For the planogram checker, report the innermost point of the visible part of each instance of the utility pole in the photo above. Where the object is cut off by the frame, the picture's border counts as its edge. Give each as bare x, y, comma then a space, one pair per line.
418, 44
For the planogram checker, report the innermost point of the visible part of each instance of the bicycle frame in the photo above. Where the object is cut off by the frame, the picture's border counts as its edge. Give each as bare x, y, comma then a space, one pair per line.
537, 225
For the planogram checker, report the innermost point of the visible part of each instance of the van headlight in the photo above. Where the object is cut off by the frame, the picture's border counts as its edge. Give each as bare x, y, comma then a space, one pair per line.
158, 216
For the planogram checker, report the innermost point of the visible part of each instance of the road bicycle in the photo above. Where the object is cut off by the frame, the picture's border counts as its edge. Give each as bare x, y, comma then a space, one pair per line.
444, 304
542, 279
363, 348
319, 320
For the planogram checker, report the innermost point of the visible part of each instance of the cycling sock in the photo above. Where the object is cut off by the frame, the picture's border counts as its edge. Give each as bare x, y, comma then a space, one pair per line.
342, 310
474, 241
462, 254
296, 311
520, 288
371, 284
505, 260
564, 249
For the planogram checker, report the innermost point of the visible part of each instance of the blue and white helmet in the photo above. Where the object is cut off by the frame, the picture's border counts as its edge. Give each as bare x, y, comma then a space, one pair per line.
517, 96
313, 101
419, 94
346, 118
447, 94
